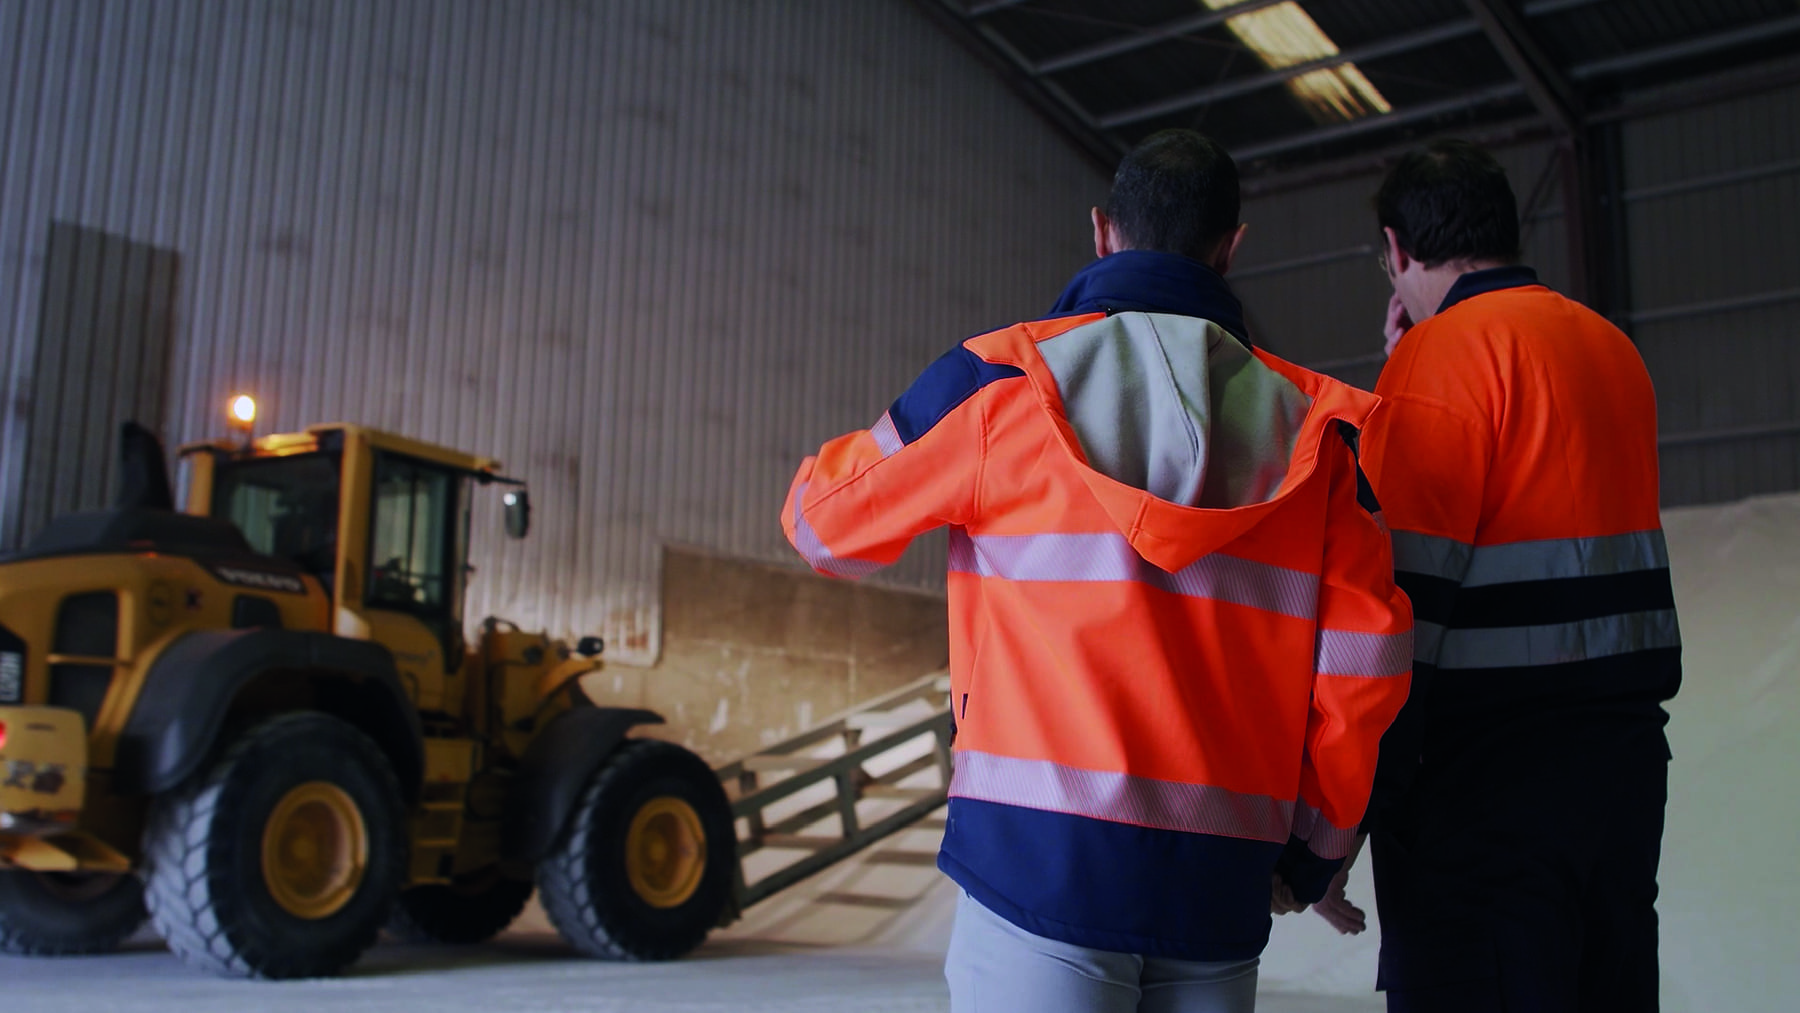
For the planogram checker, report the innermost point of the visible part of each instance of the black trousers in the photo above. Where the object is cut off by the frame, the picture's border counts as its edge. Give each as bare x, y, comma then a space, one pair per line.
1520, 876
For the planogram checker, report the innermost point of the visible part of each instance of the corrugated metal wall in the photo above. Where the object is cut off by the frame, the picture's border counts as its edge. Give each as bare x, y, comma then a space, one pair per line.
1714, 225
647, 253
1712, 197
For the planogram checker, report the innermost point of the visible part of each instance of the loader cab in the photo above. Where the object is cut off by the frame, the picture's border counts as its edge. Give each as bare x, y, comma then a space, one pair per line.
381, 521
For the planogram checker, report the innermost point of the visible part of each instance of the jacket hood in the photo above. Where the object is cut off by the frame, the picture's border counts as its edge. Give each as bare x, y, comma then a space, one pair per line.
1186, 437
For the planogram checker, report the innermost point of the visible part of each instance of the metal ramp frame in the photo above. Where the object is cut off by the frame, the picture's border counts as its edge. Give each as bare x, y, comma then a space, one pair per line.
838, 753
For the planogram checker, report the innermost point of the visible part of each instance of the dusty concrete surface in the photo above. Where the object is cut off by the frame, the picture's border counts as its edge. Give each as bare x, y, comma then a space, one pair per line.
753, 653
522, 972
526, 972
867, 936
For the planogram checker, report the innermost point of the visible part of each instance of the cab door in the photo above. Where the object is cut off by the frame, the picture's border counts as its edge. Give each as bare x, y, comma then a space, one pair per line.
408, 582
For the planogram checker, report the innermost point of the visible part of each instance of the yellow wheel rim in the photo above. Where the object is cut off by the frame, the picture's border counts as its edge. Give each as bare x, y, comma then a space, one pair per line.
315, 850
665, 852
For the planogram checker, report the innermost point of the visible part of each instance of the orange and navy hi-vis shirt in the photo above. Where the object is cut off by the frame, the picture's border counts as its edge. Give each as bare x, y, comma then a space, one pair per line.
1175, 639
1515, 454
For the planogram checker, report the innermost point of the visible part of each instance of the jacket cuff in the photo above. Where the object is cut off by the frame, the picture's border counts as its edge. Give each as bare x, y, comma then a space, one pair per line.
1305, 873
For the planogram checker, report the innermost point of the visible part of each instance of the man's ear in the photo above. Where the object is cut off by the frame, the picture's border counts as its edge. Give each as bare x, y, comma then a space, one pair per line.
1397, 259
1103, 242
1228, 248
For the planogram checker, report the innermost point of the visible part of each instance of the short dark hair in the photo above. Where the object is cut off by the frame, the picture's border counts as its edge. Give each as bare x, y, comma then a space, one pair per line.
1176, 192
1450, 202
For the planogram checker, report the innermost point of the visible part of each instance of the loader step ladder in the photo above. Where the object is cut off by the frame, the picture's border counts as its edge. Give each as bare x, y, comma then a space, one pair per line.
809, 802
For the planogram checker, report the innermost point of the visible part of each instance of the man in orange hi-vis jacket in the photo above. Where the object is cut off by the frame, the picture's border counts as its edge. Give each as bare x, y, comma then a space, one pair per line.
1175, 635
1518, 817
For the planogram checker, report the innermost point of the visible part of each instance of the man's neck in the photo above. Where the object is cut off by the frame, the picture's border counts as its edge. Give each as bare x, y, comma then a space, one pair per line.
1436, 281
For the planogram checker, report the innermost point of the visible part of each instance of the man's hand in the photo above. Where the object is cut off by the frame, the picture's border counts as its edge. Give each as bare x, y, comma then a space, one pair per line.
1398, 323
1336, 908
1281, 897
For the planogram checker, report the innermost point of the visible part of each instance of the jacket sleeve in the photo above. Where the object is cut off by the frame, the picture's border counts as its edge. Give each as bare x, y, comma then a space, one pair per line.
858, 503
1362, 670
1428, 461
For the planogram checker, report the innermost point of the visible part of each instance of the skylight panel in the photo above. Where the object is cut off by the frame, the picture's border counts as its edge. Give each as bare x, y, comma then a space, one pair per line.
1285, 35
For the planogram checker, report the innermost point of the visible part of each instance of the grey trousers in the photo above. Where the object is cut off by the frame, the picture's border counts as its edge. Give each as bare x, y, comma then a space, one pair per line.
996, 967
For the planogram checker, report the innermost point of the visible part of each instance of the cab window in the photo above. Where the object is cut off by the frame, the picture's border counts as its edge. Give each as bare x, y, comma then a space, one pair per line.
413, 537
287, 507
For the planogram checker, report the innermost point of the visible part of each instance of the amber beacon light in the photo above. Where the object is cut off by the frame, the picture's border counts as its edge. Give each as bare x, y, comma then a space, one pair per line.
240, 413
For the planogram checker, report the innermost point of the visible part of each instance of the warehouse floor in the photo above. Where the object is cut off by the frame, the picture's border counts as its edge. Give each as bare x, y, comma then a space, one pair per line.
866, 935
526, 971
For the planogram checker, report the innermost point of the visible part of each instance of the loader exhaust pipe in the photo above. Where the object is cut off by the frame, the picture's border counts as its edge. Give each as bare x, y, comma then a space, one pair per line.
143, 471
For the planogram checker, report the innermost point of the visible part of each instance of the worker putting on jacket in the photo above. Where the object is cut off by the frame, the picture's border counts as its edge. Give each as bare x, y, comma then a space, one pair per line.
1176, 639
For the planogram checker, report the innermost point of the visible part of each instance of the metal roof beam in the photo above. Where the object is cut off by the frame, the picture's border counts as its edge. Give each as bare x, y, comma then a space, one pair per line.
1256, 82
1642, 60
1428, 111
1502, 134
1049, 100
1549, 90
983, 10
1688, 48
1199, 23
1545, 8
1149, 37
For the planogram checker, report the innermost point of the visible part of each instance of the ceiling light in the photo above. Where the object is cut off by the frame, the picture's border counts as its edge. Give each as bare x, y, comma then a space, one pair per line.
1285, 35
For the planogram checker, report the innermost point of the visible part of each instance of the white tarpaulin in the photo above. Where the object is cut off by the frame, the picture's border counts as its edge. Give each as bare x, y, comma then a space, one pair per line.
1730, 899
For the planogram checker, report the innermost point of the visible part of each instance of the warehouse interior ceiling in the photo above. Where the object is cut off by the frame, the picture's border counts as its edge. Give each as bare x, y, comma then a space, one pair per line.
1287, 84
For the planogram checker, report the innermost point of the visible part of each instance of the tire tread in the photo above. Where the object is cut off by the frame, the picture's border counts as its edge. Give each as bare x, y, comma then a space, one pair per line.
565, 882
180, 896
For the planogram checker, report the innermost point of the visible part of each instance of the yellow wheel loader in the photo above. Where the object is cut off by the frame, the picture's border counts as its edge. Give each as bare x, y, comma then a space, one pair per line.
259, 725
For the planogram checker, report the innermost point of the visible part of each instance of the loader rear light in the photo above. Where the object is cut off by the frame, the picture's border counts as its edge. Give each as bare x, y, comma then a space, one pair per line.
2, 735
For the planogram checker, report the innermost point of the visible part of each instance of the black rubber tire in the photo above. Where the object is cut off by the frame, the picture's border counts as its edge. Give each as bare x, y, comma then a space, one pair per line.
206, 889
50, 914
583, 884
472, 910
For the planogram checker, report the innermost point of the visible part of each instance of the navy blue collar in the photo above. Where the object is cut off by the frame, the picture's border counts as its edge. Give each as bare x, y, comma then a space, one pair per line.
1151, 282
1491, 279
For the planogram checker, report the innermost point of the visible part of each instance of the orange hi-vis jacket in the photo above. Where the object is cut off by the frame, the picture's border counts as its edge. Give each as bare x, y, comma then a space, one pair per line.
1516, 455
1161, 697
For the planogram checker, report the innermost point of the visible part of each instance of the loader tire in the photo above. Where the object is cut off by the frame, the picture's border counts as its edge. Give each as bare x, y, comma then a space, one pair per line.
473, 909
57, 914
645, 867
283, 859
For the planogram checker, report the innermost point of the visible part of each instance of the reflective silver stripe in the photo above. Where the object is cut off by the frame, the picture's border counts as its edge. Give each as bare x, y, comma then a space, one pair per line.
1373, 655
1557, 558
1428, 640
1323, 837
1120, 798
962, 552
1558, 643
813, 550
1543, 559
886, 436
1107, 556
1431, 555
